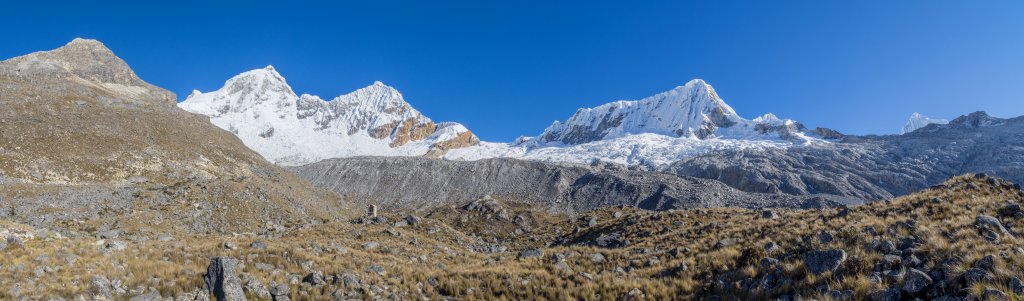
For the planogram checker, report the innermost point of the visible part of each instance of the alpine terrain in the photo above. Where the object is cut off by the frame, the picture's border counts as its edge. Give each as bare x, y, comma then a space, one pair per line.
110, 190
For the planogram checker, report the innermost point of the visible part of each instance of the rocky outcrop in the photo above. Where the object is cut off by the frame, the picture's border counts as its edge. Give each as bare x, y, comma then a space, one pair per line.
420, 183
222, 280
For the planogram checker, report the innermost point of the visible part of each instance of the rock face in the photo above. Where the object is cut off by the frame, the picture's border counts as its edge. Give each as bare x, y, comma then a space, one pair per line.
222, 280
289, 129
872, 167
421, 183
87, 137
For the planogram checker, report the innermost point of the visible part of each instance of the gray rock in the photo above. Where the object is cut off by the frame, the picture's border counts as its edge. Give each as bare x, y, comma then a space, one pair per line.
1017, 286
376, 269
891, 294
222, 280
254, 287
151, 296
995, 295
531, 253
230, 245
115, 245
280, 292
986, 263
100, 288
315, 278
258, 245
916, 281
990, 223
370, 245
976, 275
819, 262
769, 214
597, 258
413, 220
824, 237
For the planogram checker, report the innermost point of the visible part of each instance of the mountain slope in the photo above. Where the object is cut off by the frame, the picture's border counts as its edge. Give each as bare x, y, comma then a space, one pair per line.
85, 142
421, 183
289, 129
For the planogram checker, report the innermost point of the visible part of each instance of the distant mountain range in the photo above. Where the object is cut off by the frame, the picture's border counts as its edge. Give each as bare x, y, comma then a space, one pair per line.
688, 131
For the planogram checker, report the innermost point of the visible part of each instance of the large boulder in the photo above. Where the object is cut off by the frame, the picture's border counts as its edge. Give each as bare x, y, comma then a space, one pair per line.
222, 280
819, 262
916, 281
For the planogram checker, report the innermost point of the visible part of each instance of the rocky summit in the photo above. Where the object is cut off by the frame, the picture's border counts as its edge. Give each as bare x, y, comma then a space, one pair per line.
110, 191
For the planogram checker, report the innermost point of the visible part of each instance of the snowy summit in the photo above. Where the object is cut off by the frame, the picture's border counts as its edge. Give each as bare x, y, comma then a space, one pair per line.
918, 121
261, 108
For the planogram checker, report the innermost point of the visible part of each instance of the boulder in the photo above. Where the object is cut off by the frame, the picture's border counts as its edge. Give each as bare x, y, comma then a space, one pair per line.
891, 294
222, 280
99, 288
531, 253
916, 281
819, 262
990, 223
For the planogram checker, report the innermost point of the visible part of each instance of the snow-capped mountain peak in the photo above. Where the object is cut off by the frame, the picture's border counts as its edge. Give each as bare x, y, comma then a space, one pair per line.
686, 121
692, 110
262, 109
917, 121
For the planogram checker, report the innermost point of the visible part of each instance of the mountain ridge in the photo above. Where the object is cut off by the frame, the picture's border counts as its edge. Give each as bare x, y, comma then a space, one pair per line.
290, 129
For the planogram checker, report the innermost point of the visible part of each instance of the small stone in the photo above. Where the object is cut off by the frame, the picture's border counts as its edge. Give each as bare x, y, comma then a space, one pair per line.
376, 269
315, 278
986, 263
370, 245
279, 292
597, 258
634, 294
413, 220
230, 245
824, 237
769, 214
258, 245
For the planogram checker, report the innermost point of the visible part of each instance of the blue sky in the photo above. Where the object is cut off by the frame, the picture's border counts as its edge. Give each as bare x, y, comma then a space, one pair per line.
509, 68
